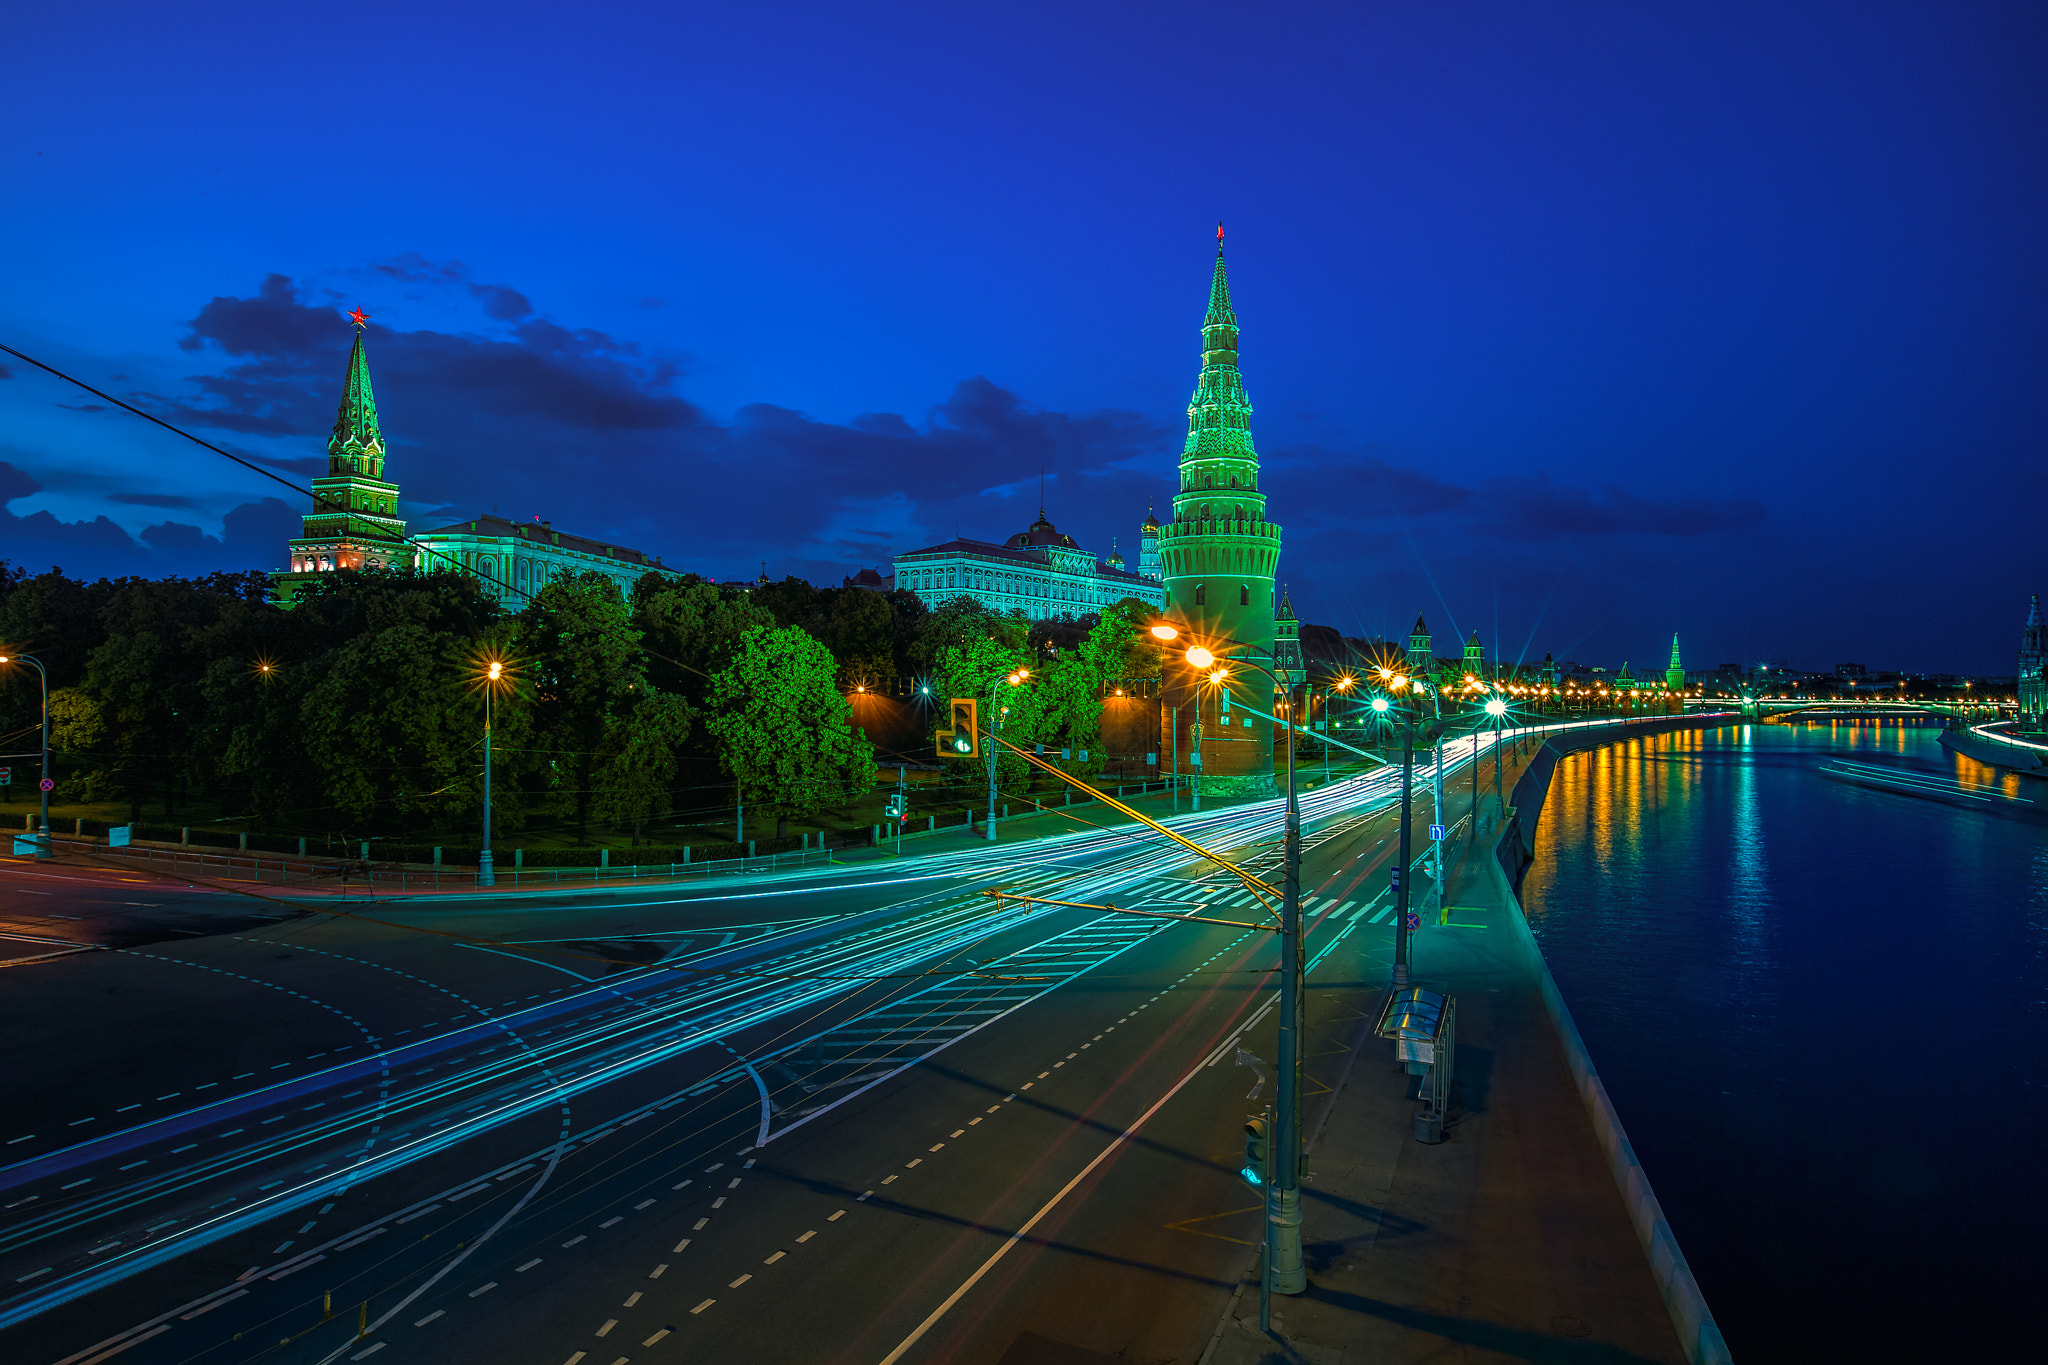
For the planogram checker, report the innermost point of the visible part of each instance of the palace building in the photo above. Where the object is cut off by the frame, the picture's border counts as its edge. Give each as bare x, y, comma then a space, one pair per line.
355, 524
1219, 555
1040, 571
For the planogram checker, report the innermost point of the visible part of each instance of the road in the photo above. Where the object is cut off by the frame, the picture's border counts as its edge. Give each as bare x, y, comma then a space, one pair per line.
864, 1113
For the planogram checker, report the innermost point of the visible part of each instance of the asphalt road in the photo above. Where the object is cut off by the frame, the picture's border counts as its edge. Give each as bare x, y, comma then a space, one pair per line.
863, 1114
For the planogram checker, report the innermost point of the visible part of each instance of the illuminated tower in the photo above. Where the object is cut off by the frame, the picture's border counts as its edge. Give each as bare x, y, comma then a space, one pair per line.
1287, 660
354, 523
1475, 658
1674, 676
1148, 548
2033, 684
1421, 660
1219, 554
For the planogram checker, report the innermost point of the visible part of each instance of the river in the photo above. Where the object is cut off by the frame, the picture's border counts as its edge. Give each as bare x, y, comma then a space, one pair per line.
1822, 1014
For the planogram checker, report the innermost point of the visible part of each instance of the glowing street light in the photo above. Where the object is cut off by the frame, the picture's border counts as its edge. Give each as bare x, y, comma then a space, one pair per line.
490, 673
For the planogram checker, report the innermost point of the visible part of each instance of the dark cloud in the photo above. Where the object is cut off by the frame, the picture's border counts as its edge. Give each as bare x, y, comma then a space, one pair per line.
252, 536
84, 407
1325, 484
1536, 509
5, 373
150, 499
410, 267
501, 302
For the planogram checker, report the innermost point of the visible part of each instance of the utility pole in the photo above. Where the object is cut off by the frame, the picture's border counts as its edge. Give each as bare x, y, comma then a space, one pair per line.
1284, 1271
1175, 737
1402, 858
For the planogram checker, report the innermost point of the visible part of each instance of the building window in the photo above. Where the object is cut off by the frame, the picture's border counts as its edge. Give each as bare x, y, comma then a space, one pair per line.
1244, 596
1201, 594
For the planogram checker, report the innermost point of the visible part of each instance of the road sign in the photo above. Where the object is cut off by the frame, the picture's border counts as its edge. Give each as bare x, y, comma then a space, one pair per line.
120, 835
48, 784
1436, 832
6, 777
1414, 920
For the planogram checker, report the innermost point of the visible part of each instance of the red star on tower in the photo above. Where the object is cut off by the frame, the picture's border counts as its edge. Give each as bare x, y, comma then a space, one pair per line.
359, 318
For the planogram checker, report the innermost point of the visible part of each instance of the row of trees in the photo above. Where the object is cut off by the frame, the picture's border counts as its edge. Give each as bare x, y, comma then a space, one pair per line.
357, 709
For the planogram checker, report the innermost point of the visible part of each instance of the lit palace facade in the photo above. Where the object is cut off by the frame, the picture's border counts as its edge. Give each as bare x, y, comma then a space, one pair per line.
1040, 571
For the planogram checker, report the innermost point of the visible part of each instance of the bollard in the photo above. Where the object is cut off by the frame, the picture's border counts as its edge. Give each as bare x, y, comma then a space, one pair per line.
437, 855
750, 848
78, 825
604, 857
185, 835
244, 844
931, 822
302, 846
686, 855
519, 857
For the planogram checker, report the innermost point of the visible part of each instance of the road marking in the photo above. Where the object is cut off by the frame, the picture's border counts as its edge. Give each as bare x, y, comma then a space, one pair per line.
740, 1281
643, 1204
735, 1183
808, 1236
719, 1202
617, 1218
970, 1123
700, 1225
837, 1216
631, 1299
574, 1360
579, 1237
936, 1146
677, 1187
483, 1289
680, 1245
369, 1352
655, 1273
529, 1265
609, 1323
702, 1306
776, 1257
437, 1313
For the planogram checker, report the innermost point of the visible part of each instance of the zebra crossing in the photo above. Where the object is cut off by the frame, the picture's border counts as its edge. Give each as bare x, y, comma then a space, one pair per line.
1172, 896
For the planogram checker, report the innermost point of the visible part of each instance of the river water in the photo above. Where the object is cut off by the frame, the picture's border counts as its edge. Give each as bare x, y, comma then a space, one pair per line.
1822, 1013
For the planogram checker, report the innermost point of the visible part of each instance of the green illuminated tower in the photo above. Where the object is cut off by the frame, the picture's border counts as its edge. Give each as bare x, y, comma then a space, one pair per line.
1674, 676
1219, 554
354, 523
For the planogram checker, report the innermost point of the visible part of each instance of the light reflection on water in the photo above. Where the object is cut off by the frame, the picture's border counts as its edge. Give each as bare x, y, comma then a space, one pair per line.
1822, 1012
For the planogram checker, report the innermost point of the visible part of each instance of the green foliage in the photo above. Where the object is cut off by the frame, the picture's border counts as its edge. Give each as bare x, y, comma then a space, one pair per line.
580, 656
782, 727
691, 629
633, 781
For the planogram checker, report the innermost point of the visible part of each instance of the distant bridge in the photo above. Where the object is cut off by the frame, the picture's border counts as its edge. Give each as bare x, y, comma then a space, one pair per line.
1852, 707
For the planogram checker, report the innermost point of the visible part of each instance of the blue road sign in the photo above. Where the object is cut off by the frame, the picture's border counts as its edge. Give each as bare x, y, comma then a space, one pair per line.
1436, 832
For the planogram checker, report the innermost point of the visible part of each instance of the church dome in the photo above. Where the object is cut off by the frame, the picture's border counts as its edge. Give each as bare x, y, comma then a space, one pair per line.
1040, 532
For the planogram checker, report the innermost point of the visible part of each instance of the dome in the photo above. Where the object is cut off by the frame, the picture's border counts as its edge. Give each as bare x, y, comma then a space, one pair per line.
1040, 532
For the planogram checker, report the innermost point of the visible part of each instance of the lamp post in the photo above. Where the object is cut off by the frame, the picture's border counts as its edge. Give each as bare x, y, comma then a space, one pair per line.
492, 674
1401, 866
1013, 679
43, 849
1284, 1271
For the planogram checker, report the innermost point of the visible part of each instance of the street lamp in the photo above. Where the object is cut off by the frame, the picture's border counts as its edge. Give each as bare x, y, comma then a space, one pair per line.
1284, 1273
994, 719
43, 849
491, 674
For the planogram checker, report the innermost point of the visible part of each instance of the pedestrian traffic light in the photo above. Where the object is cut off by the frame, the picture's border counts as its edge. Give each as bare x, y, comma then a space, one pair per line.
1257, 1152
963, 738
898, 805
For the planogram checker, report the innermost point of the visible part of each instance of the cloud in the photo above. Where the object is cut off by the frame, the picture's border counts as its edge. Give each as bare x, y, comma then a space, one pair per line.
252, 536
501, 302
150, 499
84, 407
1535, 509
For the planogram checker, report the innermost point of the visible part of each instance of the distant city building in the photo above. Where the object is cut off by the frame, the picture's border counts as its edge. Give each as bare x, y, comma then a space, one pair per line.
1040, 571
1548, 674
355, 524
1848, 670
2031, 686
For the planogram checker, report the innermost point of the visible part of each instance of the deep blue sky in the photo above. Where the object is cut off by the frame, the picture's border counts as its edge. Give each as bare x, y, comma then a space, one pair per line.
1728, 320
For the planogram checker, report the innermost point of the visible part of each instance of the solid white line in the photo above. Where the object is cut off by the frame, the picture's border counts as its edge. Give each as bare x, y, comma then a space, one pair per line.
1033, 1221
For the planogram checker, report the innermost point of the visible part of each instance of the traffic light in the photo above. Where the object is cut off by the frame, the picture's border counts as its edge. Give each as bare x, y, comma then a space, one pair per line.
898, 807
1257, 1152
963, 738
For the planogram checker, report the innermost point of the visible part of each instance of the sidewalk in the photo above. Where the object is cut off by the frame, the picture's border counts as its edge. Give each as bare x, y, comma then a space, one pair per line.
1509, 1241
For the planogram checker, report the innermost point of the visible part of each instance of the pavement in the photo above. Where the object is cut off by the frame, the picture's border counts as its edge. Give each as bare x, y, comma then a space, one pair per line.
1506, 1241
858, 1113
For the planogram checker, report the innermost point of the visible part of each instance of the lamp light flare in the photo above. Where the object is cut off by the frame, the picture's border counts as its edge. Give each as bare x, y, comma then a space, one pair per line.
1200, 657
1162, 631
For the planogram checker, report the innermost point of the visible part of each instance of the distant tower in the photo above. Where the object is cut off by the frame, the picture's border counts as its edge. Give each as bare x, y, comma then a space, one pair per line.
1287, 658
1549, 671
1115, 560
1624, 681
1218, 555
1421, 659
354, 523
1148, 548
1674, 676
2033, 689
1475, 657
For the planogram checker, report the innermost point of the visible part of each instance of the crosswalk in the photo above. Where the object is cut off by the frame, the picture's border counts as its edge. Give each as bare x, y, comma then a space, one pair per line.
1173, 896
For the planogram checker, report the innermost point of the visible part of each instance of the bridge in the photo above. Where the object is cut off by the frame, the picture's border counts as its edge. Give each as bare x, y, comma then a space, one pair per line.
1848, 707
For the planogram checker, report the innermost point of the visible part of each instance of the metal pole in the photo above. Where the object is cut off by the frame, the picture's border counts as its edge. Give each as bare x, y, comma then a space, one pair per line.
1401, 859
486, 874
1175, 737
43, 848
992, 757
1285, 1267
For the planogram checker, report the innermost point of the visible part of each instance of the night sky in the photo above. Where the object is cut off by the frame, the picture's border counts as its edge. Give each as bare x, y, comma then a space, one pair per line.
1575, 324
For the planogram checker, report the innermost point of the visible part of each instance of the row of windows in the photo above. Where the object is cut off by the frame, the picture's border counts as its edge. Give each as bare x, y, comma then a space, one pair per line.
1022, 585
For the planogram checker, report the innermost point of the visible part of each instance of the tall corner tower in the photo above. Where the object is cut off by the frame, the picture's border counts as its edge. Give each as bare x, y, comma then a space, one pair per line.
1148, 548
1421, 657
2033, 670
1288, 662
1219, 555
1674, 676
354, 523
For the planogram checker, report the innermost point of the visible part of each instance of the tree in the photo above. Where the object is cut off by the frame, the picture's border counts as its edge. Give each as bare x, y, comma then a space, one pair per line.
782, 728
634, 779
581, 655
691, 629
972, 668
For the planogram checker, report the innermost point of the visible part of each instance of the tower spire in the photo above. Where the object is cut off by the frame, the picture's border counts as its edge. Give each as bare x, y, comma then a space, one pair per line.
357, 445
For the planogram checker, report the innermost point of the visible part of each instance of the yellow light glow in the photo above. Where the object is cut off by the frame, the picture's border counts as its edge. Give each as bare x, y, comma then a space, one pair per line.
1162, 631
1200, 657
